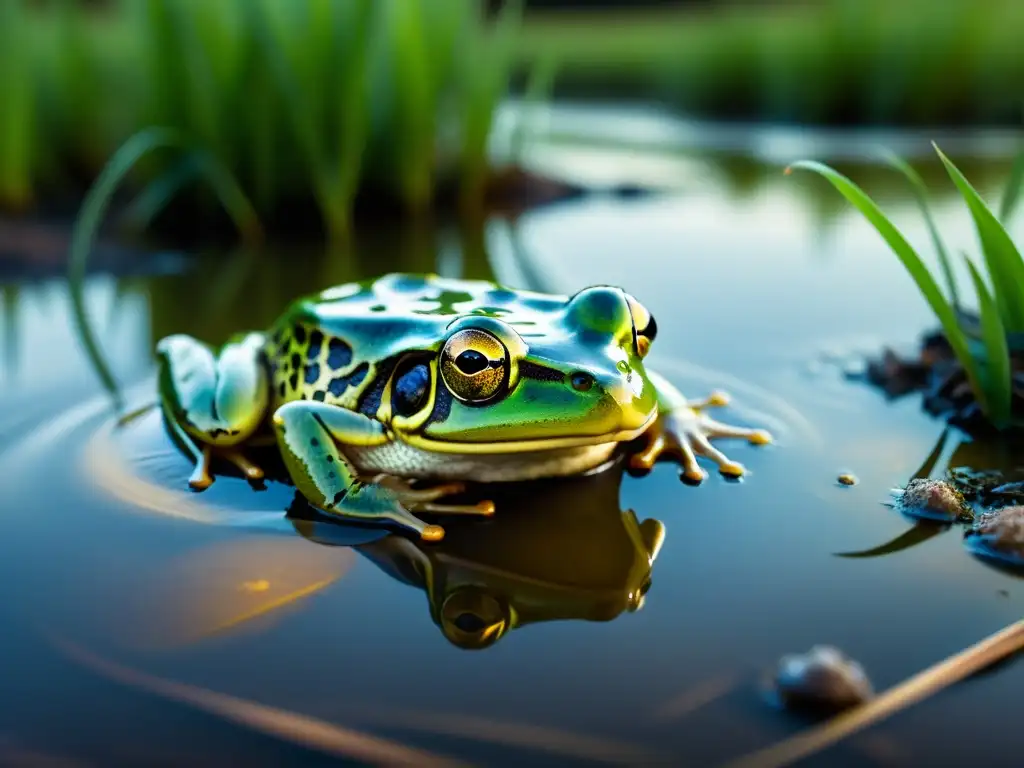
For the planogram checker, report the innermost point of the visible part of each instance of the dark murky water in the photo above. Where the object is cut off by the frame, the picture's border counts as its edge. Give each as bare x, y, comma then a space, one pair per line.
753, 290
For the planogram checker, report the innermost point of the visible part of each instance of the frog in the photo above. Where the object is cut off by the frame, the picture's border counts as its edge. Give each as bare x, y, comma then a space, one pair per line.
385, 397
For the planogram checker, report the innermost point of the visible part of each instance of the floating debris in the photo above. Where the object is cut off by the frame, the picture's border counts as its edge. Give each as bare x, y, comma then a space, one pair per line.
823, 681
936, 373
933, 500
999, 535
970, 661
846, 478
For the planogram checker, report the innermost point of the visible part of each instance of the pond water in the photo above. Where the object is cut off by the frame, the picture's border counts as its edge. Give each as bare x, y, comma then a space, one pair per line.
144, 624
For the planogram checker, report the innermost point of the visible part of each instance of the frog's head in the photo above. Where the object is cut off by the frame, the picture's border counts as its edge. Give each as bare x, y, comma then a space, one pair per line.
534, 380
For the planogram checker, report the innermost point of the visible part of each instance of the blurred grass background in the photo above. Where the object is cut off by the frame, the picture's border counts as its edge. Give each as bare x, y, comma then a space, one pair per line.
314, 106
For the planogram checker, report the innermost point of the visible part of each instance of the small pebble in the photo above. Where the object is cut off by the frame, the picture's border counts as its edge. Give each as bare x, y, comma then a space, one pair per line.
933, 500
823, 681
999, 535
847, 479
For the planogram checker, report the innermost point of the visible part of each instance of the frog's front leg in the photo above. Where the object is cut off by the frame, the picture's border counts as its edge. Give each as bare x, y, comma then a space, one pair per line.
214, 403
312, 437
683, 431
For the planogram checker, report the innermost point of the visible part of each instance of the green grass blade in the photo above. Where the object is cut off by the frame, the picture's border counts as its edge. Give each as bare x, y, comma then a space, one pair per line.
1005, 267
303, 120
997, 375
1011, 194
920, 191
159, 192
95, 206
911, 261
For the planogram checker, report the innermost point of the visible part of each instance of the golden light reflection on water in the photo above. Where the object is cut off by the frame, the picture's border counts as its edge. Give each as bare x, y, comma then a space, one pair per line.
252, 582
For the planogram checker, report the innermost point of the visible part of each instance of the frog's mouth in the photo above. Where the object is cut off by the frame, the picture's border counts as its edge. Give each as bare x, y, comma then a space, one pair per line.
529, 445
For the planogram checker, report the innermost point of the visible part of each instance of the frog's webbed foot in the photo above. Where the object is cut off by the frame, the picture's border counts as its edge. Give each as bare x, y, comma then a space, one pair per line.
423, 499
685, 432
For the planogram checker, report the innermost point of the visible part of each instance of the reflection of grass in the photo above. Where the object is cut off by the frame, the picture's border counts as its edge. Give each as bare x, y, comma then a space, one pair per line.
1000, 300
305, 104
91, 216
832, 61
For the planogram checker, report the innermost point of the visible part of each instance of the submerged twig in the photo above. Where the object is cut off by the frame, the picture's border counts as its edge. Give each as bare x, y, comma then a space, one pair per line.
926, 683
289, 726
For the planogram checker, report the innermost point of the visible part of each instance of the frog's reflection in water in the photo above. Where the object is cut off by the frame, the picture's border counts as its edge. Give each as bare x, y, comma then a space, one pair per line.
554, 550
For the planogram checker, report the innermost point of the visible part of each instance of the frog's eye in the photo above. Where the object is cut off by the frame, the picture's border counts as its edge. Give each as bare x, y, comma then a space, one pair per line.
474, 365
644, 327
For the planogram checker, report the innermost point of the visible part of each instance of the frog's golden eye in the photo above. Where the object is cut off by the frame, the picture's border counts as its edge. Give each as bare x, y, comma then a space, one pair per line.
474, 365
644, 327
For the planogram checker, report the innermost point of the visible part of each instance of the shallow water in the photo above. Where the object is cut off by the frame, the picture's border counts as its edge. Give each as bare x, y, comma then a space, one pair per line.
754, 293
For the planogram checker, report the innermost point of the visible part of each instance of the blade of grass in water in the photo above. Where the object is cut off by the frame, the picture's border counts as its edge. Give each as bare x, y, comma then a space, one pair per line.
159, 192
90, 216
912, 262
1005, 266
920, 191
1011, 194
998, 376
302, 119
485, 72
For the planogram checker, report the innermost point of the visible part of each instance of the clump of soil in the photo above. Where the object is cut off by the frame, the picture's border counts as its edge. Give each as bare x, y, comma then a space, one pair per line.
938, 375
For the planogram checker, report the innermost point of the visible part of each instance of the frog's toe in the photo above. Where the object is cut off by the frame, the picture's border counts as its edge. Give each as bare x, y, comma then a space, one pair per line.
726, 466
251, 471
201, 479
713, 429
670, 442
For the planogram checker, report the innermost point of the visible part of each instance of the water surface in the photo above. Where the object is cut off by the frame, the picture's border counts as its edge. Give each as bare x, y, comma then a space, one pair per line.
755, 291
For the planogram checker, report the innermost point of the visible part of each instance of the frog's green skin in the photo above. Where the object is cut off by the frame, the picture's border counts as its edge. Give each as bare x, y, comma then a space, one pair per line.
420, 377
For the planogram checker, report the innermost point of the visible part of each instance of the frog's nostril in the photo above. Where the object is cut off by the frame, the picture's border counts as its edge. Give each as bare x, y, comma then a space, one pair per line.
581, 381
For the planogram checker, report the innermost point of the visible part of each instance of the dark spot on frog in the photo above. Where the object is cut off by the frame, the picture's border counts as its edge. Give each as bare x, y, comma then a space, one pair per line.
316, 343
341, 383
319, 395
312, 372
330, 475
330, 459
300, 334
370, 400
337, 386
411, 390
314, 442
541, 304
500, 295
408, 283
218, 432
378, 308
339, 497
448, 298
296, 360
281, 389
339, 354
293, 380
